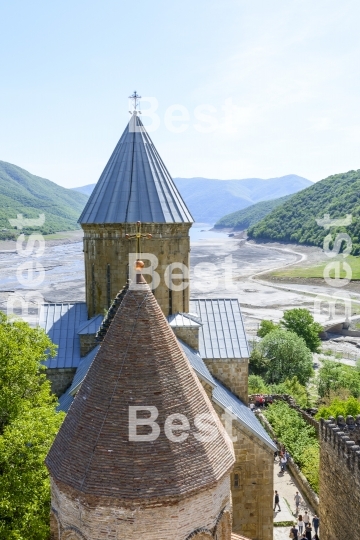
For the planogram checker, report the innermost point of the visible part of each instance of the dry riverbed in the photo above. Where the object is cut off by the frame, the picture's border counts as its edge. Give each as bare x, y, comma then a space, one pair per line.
221, 266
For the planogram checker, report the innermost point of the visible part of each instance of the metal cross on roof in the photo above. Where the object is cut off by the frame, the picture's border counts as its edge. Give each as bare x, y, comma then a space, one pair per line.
136, 100
138, 235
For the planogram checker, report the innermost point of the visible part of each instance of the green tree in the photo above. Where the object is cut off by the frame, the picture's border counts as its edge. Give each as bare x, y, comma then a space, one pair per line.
300, 321
258, 364
287, 356
334, 376
28, 425
257, 385
266, 327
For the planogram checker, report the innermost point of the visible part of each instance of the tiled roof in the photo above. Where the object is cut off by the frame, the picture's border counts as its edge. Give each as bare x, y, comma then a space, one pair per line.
135, 185
61, 322
222, 334
221, 395
139, 363
91, 326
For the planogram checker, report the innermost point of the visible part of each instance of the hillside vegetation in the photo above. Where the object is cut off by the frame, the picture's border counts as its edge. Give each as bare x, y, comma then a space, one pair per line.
243, 219
24, 193
295, 220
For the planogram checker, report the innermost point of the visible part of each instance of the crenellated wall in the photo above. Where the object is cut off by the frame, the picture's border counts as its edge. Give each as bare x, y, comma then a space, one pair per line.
340, 478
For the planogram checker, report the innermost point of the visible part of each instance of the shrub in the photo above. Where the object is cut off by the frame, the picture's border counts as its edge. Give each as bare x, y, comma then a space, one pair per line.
339, 407
298, 437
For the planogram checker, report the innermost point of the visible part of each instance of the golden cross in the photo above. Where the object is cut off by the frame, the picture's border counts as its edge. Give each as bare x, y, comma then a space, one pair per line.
138, 235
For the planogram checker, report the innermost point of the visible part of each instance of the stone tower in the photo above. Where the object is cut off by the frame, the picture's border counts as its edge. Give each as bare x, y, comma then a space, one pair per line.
135, 186
166, 480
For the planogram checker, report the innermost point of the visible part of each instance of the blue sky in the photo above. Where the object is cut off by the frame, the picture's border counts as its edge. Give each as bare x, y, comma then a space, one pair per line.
282, 79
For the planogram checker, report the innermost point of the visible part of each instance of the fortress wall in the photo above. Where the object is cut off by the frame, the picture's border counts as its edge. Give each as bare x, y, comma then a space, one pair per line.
339, 480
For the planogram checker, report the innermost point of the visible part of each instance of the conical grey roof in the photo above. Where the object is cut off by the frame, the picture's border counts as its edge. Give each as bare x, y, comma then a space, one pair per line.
135, 185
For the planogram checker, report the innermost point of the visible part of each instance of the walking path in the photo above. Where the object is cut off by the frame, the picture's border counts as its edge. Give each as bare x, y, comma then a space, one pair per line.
287, 487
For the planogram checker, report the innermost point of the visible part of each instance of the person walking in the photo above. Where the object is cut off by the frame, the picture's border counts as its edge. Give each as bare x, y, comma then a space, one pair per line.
297, 500
315, 523
300, 524
277, 501
283, 463
306, 520
294, 532
308, 532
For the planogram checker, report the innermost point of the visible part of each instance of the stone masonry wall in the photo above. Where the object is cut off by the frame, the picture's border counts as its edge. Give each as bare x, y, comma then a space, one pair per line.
106, 253
87, 343
60, 379
84, 517
339, 481
252, 497
188, 335
233, 373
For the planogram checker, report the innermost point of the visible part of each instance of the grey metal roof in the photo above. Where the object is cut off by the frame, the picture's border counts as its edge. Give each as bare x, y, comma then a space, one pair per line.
183, 320
242, 413
226, 399
67, 398
65, 401
61, 323
197, 363
82, 370
91, 326
222, 334
135, 185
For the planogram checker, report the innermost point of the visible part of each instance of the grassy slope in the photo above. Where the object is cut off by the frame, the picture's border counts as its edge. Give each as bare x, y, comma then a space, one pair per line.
294, 221
243, 219
24, 193
318, 271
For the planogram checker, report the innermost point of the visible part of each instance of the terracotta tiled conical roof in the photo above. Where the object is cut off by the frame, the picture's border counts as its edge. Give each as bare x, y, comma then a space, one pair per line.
139, 364
135, 185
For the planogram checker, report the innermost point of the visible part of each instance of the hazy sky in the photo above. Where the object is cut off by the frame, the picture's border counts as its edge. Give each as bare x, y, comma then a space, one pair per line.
282, 78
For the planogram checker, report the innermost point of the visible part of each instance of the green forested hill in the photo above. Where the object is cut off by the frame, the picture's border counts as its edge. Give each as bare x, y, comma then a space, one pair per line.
294, 221
24, 193
243, 219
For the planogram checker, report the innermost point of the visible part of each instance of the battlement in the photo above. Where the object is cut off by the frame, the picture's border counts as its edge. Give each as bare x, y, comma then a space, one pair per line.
344, 437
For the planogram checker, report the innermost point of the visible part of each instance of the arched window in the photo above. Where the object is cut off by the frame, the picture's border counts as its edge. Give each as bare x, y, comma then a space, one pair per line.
170, 302
108, 285
93, 287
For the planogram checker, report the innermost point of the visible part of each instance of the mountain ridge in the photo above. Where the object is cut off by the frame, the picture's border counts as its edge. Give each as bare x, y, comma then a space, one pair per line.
295, 220
243, 219
24, 193
210, 199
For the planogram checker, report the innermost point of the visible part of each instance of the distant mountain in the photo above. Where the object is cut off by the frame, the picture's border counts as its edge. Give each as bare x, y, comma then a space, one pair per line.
88, 189
295, 220
243, 219
208, 200
24, 193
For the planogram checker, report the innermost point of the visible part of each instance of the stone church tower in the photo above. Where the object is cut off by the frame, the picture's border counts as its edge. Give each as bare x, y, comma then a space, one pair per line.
134, 186
113, 480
